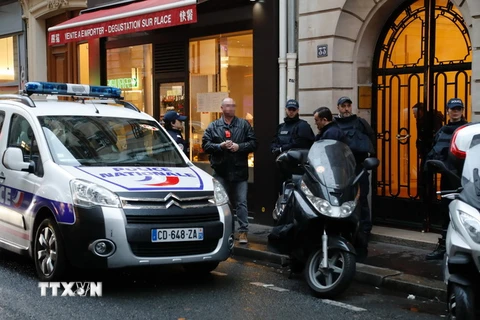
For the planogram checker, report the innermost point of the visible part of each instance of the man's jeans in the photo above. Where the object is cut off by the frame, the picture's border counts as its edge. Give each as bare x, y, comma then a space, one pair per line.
237, 192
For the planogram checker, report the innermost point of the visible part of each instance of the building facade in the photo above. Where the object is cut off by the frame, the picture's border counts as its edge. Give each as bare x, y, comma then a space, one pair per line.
210, 50
12, 47
389, 55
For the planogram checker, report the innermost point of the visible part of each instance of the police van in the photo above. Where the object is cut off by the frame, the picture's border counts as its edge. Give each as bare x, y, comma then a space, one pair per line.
88, 180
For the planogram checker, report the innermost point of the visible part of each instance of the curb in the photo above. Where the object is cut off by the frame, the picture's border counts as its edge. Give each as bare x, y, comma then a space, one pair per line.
376, 276
403, 242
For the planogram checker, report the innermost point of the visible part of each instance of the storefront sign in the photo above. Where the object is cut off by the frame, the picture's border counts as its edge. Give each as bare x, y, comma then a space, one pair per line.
144, 22
123, 83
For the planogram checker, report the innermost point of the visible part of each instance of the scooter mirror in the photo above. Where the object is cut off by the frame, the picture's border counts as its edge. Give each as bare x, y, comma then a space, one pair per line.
371, 163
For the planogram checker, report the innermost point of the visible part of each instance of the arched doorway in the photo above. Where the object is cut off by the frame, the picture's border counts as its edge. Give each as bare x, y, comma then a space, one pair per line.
423, 58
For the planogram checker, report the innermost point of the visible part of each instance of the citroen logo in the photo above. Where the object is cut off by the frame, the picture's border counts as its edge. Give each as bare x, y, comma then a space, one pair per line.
170, 195
171, 203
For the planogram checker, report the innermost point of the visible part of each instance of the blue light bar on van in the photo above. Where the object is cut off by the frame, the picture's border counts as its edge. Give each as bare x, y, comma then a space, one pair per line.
69, 89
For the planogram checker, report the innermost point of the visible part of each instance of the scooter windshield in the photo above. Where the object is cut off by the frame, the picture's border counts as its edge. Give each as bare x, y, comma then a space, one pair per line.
332, 163
471, 177
471, 167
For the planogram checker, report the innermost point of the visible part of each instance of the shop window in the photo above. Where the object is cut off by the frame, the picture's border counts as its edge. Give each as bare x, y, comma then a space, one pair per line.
130, 69
219, 66
9, 62
83, 67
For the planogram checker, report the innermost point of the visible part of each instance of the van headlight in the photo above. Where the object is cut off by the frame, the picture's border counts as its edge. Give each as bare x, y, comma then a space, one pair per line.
220, 195
87, 194
325, 208
471, 224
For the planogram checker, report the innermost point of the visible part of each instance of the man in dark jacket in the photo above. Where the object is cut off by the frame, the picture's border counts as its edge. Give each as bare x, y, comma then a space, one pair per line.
228, 141
361, 140
328, 129
293, 132
173, 124
439, 151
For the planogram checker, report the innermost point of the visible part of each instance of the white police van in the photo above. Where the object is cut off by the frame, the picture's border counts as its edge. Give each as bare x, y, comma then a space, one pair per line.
90, 184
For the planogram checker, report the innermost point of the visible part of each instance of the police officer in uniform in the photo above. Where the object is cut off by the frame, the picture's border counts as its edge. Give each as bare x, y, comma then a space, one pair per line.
361, 139
292, 133
439, 151
173, 123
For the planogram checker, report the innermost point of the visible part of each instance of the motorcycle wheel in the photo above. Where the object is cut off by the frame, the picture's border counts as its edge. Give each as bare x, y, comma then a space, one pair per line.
460, 303
330, 282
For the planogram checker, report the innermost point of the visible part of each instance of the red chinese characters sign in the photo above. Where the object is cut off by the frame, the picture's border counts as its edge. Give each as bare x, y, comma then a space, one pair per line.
143, 22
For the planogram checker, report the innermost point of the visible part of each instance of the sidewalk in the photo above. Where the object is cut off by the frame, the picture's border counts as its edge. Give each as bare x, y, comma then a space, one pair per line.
396, 260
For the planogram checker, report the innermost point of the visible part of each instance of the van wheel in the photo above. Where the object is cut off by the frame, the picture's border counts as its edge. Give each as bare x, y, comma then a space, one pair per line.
49, 252
200, 267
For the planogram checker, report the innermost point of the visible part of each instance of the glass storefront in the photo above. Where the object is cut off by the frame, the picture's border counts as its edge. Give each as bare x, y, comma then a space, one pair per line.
9, 65
83, 67
219, 66
130, 69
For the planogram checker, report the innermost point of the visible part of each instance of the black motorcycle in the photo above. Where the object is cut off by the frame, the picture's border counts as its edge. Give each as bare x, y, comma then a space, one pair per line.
318, 215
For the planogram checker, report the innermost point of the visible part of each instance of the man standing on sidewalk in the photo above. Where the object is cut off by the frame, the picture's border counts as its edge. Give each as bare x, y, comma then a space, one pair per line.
439, 151
361, 139
228, 141
293, 133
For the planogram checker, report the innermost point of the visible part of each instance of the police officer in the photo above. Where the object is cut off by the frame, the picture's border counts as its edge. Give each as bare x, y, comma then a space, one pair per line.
439, 151
292, 133
173, 124
361, 139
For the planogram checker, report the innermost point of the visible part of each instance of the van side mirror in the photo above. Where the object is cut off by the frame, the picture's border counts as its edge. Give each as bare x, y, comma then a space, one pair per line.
371, 163
13, 160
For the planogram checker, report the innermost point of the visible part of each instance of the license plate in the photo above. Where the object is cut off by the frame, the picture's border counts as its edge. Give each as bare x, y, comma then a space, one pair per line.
176, 235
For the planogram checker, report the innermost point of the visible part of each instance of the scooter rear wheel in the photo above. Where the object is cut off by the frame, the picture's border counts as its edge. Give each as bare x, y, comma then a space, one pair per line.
330, 282
460, 303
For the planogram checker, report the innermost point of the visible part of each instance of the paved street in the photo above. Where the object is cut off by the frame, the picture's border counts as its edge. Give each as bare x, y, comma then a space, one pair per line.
234, 291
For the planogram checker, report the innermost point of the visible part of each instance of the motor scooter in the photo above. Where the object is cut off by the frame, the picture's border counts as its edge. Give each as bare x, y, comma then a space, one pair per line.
462, 259
318, 216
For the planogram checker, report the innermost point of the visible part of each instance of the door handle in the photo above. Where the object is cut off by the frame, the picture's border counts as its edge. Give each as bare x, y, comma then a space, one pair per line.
401, 137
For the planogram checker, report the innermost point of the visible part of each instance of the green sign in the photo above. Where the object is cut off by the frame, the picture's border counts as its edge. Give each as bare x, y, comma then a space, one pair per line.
123, 83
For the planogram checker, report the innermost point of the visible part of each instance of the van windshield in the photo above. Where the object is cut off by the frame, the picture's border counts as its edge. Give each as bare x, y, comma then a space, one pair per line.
108, 141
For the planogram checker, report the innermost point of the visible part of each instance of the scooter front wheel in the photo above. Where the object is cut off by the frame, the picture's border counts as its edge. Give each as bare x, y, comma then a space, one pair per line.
333, 280
460, 303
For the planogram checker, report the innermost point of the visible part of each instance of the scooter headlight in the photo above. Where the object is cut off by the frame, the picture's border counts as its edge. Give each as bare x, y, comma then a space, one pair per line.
471, 224
325, 208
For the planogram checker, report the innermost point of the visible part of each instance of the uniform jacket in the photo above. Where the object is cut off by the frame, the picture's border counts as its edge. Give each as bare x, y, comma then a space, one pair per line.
177, 136
293, 133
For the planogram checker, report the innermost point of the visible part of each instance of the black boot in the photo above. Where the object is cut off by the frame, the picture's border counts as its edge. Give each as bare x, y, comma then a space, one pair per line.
439, 251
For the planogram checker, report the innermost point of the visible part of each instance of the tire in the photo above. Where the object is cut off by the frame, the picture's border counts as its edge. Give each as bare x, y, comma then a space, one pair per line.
200, 268
327, 283
460, 303
49, 252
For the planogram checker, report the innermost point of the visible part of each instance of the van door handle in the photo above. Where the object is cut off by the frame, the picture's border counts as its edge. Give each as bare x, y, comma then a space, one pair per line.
2, 178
